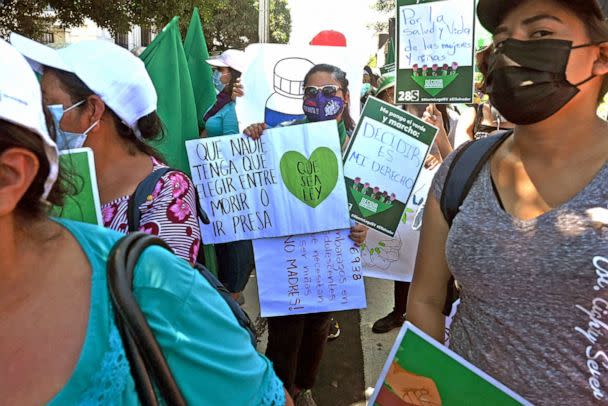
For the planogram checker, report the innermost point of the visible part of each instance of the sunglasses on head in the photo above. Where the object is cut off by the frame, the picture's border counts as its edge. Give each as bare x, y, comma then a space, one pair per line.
327, 90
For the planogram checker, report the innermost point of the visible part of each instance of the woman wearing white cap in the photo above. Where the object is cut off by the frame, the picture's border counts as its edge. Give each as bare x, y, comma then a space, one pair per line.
101, 97
59, 343
221, 118
529, 243
235, 259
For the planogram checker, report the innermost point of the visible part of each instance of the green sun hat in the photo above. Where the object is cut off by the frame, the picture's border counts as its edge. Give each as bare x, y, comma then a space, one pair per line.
386, 81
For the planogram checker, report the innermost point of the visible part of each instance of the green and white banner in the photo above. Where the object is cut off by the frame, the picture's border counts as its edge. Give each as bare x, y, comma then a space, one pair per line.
382, 163
435, 48
78, 166
420, 371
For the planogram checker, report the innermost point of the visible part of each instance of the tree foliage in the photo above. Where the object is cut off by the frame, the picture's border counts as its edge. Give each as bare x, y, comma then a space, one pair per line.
227, 23
385, 6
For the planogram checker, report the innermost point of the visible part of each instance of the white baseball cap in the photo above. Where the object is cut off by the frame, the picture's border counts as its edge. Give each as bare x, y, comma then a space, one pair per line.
114, 74
21, 104
232, 58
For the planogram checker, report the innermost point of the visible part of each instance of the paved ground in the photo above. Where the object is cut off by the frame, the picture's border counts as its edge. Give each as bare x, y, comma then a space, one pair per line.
352, 363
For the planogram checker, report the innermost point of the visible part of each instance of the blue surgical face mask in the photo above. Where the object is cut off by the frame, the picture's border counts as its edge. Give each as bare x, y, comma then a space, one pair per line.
65, 139
217, 80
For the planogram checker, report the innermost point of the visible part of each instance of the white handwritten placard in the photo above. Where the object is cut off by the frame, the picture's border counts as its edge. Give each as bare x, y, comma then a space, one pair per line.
435, 45
394, 258
310, 273
290, 181
382, 163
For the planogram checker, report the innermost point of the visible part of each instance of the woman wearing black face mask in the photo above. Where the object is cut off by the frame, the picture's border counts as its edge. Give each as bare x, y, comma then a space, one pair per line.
483, 119
529, 245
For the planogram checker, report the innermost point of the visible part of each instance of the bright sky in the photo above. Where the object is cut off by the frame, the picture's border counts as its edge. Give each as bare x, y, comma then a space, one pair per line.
351, 17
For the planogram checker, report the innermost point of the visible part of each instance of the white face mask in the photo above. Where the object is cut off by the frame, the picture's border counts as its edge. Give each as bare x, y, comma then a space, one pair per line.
65, 139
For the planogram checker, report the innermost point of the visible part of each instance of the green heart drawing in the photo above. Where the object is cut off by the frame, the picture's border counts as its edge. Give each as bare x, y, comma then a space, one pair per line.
310, 180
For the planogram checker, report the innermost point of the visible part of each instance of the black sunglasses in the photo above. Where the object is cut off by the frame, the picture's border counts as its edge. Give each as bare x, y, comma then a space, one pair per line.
327, 90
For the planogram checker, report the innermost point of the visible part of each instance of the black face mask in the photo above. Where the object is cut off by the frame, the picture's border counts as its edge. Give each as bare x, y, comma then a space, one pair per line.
527, 79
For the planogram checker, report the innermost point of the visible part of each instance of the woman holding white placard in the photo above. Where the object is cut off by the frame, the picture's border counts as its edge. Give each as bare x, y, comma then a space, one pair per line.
296, 343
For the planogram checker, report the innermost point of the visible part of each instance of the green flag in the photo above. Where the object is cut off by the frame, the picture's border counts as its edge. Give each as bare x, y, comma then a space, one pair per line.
200, 71
390, 56
166, 64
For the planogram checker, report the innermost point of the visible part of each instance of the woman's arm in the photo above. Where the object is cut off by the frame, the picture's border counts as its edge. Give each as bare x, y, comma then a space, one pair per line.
427, 293
464, 129
435, 118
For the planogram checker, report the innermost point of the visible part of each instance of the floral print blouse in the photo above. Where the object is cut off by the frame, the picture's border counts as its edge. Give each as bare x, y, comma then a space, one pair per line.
170, 214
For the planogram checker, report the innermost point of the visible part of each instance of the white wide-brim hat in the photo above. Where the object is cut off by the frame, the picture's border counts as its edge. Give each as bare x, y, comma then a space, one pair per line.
114, 74
232, 58
21, 104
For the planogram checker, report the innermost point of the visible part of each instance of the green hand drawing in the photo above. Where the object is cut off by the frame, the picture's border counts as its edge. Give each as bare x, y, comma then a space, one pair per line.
310, 180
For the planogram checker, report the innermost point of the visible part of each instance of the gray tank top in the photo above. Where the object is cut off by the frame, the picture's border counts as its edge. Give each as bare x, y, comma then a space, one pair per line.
534, 300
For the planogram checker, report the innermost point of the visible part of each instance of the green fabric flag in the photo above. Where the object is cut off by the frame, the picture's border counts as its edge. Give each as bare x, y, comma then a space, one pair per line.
200, 71
390, 56
167, 66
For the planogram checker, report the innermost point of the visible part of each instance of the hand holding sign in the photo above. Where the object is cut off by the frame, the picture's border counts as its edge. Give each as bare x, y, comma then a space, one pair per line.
255, 130
412, 388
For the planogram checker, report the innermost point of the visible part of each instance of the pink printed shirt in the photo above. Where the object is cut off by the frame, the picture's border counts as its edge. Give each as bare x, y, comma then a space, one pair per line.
170, 214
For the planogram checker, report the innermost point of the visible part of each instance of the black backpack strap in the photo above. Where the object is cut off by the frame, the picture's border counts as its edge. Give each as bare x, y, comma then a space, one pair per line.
464, 170
140, 196
241, 316
478, 117
149, 367
144, 191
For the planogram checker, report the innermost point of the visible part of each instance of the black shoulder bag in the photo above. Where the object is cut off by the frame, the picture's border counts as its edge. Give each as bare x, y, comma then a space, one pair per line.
148, 365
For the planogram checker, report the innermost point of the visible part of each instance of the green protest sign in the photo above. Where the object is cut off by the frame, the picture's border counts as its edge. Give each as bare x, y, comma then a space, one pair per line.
78, 167
382, 162
420, 371
435, 46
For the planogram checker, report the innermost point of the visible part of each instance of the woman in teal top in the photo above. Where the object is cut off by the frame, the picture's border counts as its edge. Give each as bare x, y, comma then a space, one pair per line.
235, 259
223, 122
221, 118
59, 343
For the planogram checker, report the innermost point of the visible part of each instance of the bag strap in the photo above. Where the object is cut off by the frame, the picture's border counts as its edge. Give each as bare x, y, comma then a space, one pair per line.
147, 362
464, 169
241, 316
478, 117
143, 192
